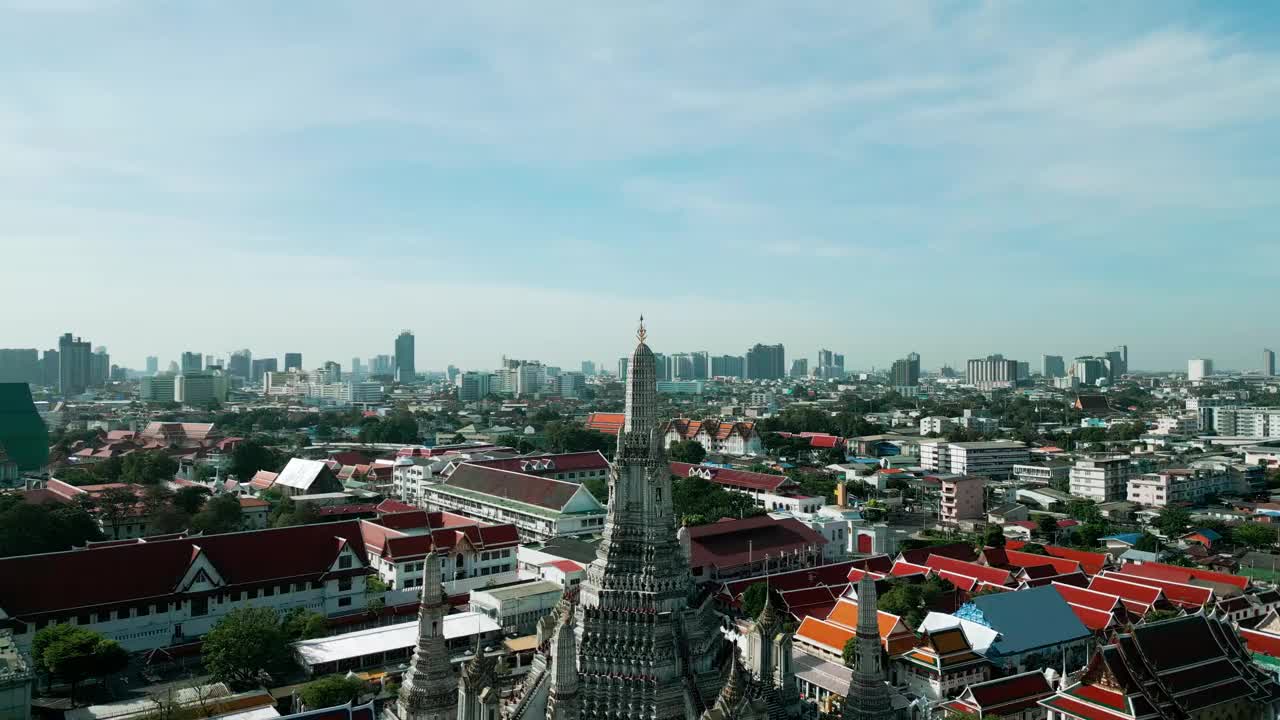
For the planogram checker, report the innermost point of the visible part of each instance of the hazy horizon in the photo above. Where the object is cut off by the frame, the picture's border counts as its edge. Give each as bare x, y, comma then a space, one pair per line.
950, 179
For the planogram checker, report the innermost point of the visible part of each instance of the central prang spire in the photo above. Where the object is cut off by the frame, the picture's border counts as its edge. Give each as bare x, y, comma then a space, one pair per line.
641, 418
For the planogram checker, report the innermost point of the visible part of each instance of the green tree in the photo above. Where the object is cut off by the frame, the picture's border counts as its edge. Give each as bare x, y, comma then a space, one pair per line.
250, 456
1047, 526
754, 598
563, 437
1147, 543
220, 515
850, 652
80, 654
1254, 535
687, 451
1034, 549
993, 536
190, 499
26, 529
598, 487
1086, 511
302, 624
1173, 521
245, 644
147, 468
115, 506
330, 691
912, 600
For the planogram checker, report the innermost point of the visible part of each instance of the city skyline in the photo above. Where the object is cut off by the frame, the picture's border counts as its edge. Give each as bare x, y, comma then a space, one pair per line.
1044, 175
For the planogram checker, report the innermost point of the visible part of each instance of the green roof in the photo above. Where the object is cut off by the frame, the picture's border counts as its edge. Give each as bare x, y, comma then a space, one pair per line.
22, 432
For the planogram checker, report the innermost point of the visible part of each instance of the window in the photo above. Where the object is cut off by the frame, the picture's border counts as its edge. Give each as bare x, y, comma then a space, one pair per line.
199, 606
144, 610
268, 591
344, 584
344, 562
82, 619
344, 602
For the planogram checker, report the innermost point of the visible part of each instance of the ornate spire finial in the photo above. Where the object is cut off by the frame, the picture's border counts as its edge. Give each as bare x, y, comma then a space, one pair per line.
641, 333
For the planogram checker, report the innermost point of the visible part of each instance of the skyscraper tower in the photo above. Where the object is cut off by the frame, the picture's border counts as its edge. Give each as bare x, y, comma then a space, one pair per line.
405, 372
868, 696
1269, 363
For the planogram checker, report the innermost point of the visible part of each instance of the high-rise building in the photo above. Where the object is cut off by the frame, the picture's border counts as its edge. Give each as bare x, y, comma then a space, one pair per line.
241, 364
21, 366
405, 356
682, 366
622, 368
1089, 369
292, 361
73, 365
1199, 369
260, 367
588, 368
826, 358
728, 366
906, 372
381, 365
766, 362
192, 362
1052, 366
1024, 370
99, 367
800, 368
1117, 366
158, 388
992, 372
571, 384
51, 366
153, 364
1269, 363
701, 364
473, 386
329, 373
357, 369
200, 388
838, 360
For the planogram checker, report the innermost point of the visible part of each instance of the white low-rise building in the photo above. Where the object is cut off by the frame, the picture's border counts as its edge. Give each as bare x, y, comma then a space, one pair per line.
1179, 485
994, 459
539, 507
936, 424
518, 608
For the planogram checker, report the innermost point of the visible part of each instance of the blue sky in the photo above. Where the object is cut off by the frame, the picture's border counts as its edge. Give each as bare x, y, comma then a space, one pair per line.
950, 178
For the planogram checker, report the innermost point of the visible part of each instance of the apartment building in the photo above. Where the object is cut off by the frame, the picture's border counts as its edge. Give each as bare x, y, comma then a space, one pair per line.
1251, 422
1051, 473
994, 459
962, 499
541, 508
1101, 478
1180, 485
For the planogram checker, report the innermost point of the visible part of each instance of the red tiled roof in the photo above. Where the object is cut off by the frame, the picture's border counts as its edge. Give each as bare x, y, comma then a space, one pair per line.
1086, 711
263, 479
1139, 598
607, 423
957, 551
733, 478
832, 576
736, 542
1183, 575
248, 502
1009, 695
121, 574
1091, 563
1105, 602
904, 569
392, 506
1188, 596
827, 634
567, 566
1262, 643
941, 564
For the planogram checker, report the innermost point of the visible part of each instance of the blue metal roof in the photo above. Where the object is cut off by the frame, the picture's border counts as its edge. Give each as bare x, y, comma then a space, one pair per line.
1126, 538
1209, 535
1026, 619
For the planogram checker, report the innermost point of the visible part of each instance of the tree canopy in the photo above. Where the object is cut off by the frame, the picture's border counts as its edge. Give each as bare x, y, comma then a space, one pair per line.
330, 691
754, 598
26, 529
564, 437
75, 654
697, 501
1173, 521
250, 456
220, 515
912, 600
245, 644
687, 451
1253, 535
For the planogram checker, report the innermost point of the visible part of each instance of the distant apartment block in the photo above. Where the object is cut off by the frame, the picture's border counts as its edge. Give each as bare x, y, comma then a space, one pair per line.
994, 459
1181, 485
1101, 478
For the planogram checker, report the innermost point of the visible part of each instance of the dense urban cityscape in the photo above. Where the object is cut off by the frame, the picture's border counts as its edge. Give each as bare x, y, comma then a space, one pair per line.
224, 535
907, 360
